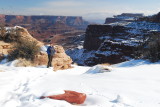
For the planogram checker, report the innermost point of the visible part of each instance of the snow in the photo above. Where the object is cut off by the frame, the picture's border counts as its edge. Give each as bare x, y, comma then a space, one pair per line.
80, 55
44, 48
99, 69
133, 83
120, 23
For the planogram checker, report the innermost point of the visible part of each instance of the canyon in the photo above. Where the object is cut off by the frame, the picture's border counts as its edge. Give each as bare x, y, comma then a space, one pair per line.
116, 40
48, 29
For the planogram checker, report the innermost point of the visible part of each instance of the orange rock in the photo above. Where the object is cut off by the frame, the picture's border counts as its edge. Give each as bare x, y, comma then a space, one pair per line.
69, 96
60, 59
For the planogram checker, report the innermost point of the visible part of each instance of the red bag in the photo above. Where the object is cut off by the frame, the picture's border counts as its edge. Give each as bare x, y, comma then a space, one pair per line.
69, 96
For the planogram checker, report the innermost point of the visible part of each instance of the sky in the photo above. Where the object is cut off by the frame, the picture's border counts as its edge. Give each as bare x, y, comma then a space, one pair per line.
89, 9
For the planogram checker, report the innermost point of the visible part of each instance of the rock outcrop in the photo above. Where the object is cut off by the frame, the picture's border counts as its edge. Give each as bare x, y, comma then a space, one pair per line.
69, 96
60, 59
18, 33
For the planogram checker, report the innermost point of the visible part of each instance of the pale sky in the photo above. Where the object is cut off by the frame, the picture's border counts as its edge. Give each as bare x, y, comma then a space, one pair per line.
89, 9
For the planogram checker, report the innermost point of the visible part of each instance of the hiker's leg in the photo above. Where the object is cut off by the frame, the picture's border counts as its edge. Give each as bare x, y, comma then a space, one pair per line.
48, 61
51, 60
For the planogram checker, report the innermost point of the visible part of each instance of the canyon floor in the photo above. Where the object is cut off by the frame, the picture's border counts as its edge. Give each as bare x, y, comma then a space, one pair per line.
133, 83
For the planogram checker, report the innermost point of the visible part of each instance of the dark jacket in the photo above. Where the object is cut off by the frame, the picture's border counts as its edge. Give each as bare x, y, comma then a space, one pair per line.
50, 50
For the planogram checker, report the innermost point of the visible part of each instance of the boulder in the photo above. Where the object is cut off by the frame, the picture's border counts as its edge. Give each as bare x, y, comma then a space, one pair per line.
69, 96
41, 58
60, 59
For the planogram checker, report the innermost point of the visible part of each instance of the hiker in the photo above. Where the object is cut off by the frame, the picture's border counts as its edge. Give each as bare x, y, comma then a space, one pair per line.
50, 52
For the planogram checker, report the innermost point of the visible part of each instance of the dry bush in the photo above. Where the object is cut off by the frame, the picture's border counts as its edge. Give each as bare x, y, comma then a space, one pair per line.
24, 49
12, 36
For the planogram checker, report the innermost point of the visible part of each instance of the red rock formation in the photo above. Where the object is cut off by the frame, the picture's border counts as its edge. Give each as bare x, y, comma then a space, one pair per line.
69, 96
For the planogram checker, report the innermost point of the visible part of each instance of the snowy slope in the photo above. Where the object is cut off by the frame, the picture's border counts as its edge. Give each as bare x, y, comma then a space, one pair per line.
130, 84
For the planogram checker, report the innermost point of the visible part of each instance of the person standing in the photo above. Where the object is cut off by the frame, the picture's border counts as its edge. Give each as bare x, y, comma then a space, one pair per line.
50, 52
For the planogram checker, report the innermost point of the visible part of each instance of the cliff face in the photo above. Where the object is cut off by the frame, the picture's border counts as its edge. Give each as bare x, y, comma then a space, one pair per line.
45, 28
103, 40
95, 33
92, 33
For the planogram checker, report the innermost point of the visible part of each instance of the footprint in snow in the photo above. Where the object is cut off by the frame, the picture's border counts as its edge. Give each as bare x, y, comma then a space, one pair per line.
121, 101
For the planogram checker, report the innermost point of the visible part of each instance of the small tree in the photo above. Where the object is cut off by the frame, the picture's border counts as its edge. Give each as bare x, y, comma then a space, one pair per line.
24, 49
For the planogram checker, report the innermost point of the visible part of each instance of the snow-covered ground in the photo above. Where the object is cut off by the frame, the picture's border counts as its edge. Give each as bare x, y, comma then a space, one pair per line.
130, 84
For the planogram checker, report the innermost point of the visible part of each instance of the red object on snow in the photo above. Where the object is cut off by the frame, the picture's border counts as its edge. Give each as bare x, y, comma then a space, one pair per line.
69, 96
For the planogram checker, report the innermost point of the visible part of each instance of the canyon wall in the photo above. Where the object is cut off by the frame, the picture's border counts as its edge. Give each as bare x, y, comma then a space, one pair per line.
45, 28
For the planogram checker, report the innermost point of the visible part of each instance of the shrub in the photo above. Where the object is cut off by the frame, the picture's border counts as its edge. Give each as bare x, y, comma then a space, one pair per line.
150, 48
24, 49
12, 36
